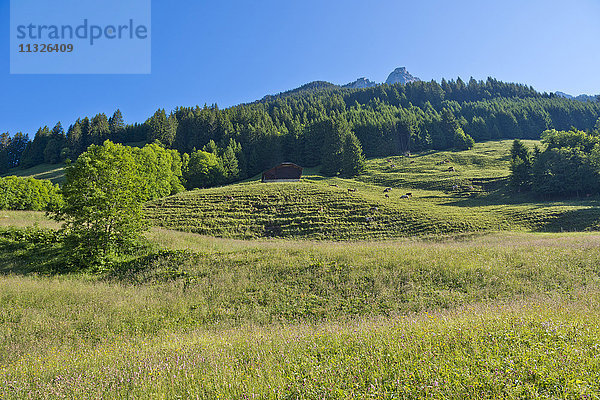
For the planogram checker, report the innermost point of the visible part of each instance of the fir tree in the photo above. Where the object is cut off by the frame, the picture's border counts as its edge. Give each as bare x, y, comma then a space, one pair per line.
211, 147
116, 124
520, 166
353, 160
16, 149
162, 128
335, 131
230, 164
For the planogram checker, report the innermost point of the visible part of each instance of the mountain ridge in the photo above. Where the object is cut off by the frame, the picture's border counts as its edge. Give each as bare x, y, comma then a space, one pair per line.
398, 75
360, 83
581, 97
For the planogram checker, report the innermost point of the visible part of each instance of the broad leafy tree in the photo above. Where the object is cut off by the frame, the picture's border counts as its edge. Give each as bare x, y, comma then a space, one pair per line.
103, 203
203, 170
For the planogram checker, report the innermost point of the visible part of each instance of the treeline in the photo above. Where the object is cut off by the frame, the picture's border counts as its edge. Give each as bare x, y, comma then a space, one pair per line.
568, 165
303, 126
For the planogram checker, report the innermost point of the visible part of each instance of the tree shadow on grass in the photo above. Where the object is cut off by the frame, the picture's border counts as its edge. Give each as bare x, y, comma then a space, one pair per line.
24, 258
504, 196
585, 219
23, 252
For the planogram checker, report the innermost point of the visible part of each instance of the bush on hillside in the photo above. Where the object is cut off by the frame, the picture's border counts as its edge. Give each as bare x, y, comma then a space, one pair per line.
28, 194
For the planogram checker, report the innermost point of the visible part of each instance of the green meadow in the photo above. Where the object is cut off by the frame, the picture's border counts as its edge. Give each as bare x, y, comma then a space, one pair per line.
503, 315
462, 290
473, 198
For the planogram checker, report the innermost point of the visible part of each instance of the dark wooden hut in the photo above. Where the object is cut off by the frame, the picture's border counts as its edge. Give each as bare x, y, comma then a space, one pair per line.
284, 172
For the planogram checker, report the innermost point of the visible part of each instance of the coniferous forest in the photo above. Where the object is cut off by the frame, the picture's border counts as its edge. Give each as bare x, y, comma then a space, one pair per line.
310, 126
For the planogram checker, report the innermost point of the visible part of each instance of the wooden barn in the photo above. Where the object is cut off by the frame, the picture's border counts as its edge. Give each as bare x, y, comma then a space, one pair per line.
284, 172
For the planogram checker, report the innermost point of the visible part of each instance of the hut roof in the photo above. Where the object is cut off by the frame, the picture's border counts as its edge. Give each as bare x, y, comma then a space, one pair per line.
284, 172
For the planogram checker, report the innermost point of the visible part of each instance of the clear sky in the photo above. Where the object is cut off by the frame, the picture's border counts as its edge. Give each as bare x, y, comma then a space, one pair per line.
230, 52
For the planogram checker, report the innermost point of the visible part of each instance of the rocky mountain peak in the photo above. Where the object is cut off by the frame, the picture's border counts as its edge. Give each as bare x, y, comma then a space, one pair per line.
401, 75
360, 83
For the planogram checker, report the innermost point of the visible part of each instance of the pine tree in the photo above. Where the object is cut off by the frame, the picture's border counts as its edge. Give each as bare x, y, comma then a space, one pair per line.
53, 153
116, 124
86, 138
4, 142
353, 160
58, 129
478, 129
453, 130
335, 132
230, 164
520, 166
162, 128
34, 152
16, 149
75, 140
99, 129
211, 147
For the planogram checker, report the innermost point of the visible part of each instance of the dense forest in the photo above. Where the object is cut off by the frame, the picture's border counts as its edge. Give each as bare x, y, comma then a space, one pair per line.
319, 124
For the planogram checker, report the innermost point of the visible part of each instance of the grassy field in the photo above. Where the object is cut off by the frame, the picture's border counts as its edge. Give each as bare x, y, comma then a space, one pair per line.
472, 198
462, 291
26, 219
512, 315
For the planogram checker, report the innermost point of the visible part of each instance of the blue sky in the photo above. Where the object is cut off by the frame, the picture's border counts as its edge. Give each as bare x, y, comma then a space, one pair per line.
230, 52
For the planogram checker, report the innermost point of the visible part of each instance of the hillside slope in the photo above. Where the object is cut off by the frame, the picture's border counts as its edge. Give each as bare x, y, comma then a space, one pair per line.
55, 173
472, 198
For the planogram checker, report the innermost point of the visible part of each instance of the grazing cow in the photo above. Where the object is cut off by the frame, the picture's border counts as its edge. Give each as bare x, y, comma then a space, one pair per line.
230, 198
386, 195
387, 190
404, 196
412, 162
451, 169
409, 194
333, 185
393, 165
351, 190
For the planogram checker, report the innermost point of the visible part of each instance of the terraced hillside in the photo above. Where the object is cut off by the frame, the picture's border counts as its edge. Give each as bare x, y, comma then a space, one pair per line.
472, 198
